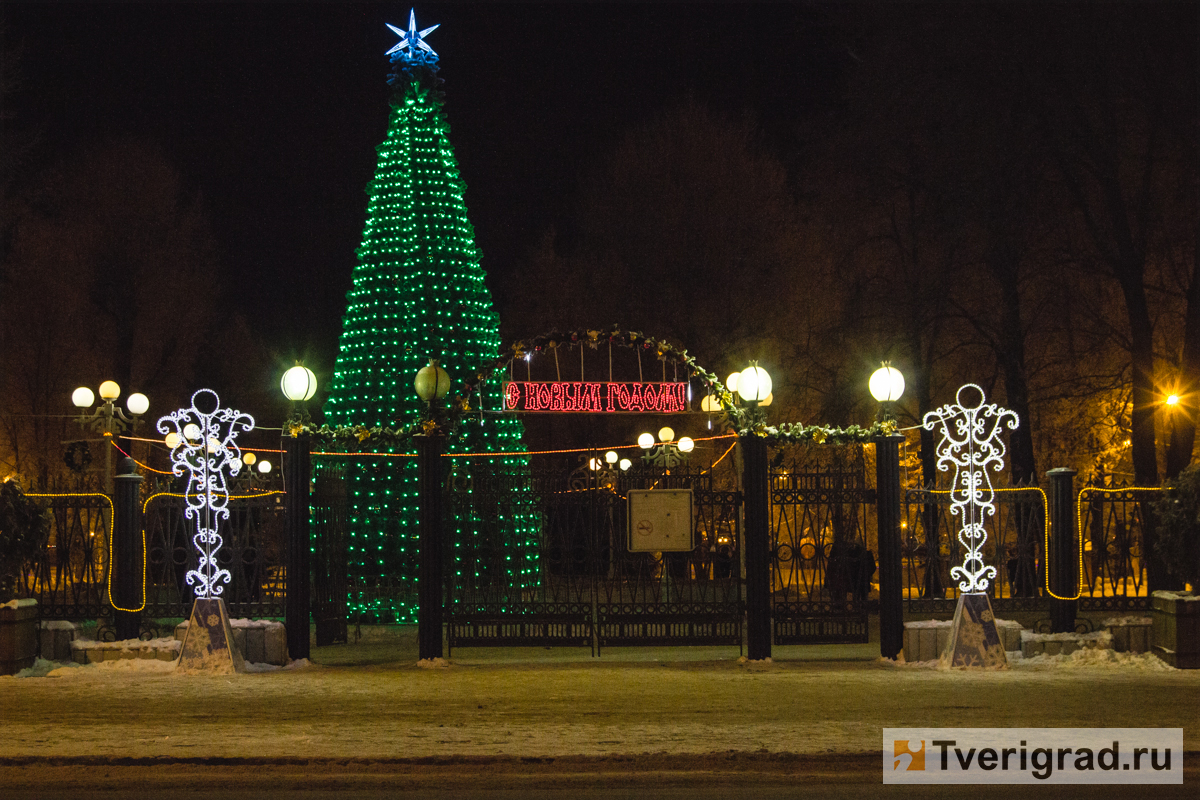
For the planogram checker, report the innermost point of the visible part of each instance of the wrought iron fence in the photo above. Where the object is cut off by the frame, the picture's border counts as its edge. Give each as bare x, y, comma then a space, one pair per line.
823, 544
1015, 546
1111, 525
254, 551
69, 578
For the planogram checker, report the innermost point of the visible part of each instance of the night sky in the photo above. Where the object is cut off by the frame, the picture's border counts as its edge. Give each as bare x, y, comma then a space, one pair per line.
272, 113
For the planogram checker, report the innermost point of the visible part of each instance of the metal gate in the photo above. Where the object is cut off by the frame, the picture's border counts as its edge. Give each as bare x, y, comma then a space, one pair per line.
329, 552
539, 556
823, 534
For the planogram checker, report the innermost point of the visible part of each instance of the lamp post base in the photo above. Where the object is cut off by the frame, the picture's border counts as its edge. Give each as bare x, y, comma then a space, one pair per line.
208, 645
974, 641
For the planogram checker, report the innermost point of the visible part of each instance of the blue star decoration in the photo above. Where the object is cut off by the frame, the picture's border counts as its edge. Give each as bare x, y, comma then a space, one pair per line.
412, 48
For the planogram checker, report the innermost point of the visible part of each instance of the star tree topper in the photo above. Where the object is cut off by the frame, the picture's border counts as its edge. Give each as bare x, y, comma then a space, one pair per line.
412, 40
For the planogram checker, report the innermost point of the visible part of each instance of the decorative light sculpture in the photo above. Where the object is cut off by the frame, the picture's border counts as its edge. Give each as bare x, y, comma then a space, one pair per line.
971, 444
418, 291
206, 451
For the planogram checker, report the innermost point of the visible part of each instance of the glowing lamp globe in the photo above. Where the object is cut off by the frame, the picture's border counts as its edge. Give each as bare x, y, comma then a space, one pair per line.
646, 441
191, 431
432, 381
137, 403
173, 440
249, 459
611, 456
83, 397
235, 466
754, 384
594, 464
625, 464
299, 384
109, 390
686, 444
887, 384
666, 434
264, 466
731, 383
770, 399
710, 404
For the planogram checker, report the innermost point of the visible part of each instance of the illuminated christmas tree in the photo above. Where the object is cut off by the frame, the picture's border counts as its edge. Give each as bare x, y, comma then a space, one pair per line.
418, 293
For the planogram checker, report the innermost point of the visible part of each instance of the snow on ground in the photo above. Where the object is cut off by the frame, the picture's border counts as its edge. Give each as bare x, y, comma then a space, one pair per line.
69, 669
1088, 658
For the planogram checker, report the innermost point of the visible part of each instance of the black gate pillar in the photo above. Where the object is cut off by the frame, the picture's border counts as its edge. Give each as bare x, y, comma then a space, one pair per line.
128, 585
429, 576
297, 473
1062, 560
756, 494
891, 565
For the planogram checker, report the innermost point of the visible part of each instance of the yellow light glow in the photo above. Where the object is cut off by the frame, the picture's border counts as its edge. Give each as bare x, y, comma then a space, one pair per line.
1172, 399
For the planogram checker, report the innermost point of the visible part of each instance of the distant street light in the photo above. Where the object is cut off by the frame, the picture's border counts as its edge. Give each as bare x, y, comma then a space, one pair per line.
667, 452
107, 418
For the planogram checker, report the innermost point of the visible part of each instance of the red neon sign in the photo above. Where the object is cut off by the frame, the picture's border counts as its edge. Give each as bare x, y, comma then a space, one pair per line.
600, 397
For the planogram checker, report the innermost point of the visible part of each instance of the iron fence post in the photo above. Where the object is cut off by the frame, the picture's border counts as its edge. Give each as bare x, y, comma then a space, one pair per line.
429, 577
128, 585
891, 567
756, 489
1062, 559
297, 470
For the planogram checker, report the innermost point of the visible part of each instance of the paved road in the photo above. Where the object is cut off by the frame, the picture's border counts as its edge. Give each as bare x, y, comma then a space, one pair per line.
687, 778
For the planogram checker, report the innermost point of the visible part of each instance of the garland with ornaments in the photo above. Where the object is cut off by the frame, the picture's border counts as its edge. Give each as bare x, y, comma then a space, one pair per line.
744, 421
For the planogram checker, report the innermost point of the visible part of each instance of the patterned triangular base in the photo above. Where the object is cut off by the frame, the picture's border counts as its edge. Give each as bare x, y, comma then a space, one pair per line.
208, 645
974, 641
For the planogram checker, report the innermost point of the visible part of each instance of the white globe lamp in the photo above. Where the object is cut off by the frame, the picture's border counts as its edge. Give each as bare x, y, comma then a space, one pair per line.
299, 384
137, 403
754, 384
887, 384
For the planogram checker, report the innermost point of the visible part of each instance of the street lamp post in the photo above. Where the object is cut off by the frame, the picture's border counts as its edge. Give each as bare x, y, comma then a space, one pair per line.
432, 383
754, 387
666, 452
298, 385
887, 386
108, 419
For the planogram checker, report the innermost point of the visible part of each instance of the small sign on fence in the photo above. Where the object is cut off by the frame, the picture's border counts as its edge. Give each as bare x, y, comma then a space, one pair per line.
660, 520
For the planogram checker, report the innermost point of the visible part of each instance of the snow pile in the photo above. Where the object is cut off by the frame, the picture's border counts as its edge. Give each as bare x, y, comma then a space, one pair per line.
298, 663
122, 665
1186, 597
1087, 658
58, 625
1093, 658
240, 622
1097, 639
433, 663
1120, 622
41, 668
15, 604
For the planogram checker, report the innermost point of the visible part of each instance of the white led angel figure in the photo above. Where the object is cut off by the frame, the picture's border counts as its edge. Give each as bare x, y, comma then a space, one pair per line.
971, 444
204, 449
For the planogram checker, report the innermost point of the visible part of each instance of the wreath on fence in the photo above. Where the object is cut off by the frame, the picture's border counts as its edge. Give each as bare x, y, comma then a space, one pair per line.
78, 456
